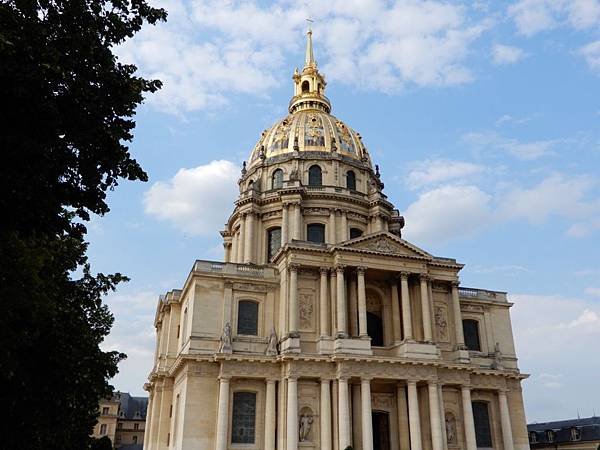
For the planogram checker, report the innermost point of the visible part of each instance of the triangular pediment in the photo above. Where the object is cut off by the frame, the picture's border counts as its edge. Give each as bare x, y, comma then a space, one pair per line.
384, 243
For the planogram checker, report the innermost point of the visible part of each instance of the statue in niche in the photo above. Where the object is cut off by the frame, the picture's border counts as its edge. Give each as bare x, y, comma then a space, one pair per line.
225, 341
450, 428
497, 364
272, 345
306, 421
440, 323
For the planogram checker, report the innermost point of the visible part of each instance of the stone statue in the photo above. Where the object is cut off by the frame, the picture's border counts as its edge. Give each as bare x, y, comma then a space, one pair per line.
306, 421
441, 324
272, 345
497, 364
450, 429
225, 342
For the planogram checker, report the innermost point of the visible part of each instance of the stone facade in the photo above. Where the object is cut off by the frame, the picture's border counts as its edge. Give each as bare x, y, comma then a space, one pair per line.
123, 420
324, 328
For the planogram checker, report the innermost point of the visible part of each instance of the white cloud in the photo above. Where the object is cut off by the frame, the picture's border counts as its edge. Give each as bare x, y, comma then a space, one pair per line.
584, 229
593, 291
508, 119
209, 50
534, 16
555, 195
554, 335
446, 213
490, 141
436, 171
133, 334
196, 200
591, 53
505, 54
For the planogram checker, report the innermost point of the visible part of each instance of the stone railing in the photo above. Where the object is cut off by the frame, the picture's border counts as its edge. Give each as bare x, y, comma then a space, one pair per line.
482, 294
247, 270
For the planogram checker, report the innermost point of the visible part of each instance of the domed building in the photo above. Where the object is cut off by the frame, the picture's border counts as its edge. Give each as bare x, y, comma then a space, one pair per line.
324, 328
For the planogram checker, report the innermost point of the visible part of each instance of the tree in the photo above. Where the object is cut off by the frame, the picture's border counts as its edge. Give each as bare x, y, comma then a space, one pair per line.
104, 443
66, 109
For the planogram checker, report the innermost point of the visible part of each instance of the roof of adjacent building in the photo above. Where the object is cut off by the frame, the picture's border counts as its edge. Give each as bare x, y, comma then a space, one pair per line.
589, 428
132, 407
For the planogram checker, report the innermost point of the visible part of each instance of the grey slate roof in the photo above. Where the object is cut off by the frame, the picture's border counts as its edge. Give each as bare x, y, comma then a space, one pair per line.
589, 428
132, 407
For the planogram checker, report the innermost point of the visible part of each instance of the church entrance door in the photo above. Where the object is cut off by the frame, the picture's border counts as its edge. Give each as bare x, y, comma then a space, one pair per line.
381, 430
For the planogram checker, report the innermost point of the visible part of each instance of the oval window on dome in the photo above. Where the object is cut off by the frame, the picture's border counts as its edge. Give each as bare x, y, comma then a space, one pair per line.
314, 134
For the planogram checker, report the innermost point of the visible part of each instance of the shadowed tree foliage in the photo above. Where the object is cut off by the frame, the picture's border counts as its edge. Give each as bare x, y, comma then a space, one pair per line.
66, 115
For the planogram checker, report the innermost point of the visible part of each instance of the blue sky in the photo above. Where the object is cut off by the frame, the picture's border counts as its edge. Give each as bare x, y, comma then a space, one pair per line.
483, 117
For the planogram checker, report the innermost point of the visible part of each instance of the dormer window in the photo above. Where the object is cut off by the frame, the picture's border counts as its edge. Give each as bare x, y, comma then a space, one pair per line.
550, 436
575, 434
533, 437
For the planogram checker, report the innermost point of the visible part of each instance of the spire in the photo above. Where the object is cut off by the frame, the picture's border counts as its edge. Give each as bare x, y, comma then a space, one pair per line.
309, 61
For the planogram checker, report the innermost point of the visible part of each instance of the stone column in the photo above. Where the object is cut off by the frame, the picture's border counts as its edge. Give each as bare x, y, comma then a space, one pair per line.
458, 327
344, 225
333, 298
342, 331
270, 416
332, 234
396, 327
471, 443
249, 240
324, 303
414, 421
362, 303
222, 414
406, 308
281, 413
325, 425
367, 424
297, 233
442, 415
356, 416
283, 300
434, 417
507, 437
292, 414
293, 300
343, 414
427, 336
284, 224
227, 251
241, 238
234, 252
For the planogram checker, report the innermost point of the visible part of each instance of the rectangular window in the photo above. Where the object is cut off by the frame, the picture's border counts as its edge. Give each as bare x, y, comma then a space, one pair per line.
481, 417
105, 411
471, 333
274, 238
243, 423
247, 318
103, 429
136, 426
315, 232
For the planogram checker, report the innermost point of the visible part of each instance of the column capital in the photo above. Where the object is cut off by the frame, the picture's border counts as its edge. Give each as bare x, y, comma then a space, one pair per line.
424, 277
271, 380
224, 378
466, 387
293, 267
502, 391
340, 268
324, 270
365, 379
455, 283
361, 270
411, 382
404, 274
292, 377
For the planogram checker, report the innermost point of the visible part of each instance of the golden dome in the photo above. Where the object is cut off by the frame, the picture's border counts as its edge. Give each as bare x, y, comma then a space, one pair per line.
310, 130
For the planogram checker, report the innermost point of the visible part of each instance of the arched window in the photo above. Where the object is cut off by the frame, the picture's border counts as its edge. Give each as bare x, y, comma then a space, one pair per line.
471, 333
273, 242
483, 431
277, 179
251, 184
315, 232
351, 180
315, 176
247, 318
243, 419
355, 232
305, 86
375, 329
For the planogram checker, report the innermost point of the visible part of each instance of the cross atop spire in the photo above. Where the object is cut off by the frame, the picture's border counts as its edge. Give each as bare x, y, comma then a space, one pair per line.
309, 61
